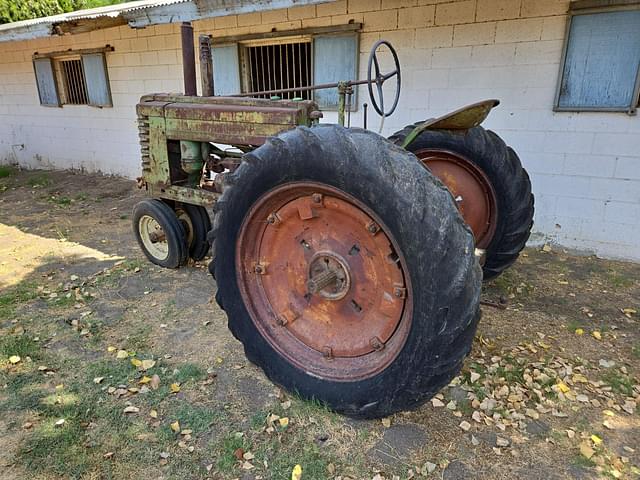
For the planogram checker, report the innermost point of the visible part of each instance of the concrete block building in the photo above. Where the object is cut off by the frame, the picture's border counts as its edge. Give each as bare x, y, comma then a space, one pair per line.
566, 72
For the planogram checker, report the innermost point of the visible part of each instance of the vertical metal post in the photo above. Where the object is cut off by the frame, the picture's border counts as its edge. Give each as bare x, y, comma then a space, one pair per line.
206, 66
364, 113
342, 92
188, 59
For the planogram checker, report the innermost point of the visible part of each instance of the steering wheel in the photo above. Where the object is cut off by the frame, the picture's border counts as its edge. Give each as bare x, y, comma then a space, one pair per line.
380, 78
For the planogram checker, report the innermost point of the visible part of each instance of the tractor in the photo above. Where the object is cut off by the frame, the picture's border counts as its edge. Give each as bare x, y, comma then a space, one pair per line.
349, 265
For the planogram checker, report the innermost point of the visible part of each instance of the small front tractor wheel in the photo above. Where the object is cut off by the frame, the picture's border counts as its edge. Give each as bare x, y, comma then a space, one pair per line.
159, 233
491, 188
197, 224
345, 270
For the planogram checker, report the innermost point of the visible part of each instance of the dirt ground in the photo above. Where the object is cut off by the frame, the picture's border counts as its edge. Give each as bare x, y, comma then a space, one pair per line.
113, 368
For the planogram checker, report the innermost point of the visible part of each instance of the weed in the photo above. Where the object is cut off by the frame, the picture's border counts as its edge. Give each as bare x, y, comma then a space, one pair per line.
81, 197
60, 201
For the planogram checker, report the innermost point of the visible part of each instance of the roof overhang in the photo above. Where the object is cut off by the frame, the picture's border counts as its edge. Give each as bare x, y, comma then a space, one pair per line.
138, 14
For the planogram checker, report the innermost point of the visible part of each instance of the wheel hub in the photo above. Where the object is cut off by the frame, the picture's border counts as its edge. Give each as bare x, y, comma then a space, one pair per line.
322, 281
328, 276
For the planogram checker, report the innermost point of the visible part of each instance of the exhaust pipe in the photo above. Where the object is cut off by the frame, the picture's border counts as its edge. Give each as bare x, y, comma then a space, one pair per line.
188, 59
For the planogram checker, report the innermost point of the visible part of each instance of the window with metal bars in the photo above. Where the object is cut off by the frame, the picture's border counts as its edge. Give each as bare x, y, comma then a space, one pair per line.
73, 79
279, 66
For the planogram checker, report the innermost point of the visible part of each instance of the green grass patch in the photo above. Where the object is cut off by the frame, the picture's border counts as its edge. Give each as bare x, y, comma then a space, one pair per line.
40, 180
20, 345
283, 454
7, 171
12, 297
635, 350
61, 201
617, 279
189, 372
619, 382
573, 325
227, 461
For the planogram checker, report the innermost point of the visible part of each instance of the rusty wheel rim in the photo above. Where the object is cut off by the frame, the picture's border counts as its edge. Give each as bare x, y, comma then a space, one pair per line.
324, 281
471, 188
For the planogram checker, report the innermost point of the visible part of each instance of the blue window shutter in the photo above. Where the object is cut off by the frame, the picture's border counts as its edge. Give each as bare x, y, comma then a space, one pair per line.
97, 79
602, 61
226, 69
335, 58
47, 88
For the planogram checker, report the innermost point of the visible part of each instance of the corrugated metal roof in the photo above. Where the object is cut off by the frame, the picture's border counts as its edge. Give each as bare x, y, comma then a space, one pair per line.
138, 14
108, 11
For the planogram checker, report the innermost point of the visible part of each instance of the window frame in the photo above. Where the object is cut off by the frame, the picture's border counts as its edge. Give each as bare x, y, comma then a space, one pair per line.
59, 78
243, 62
590, 7
277, 36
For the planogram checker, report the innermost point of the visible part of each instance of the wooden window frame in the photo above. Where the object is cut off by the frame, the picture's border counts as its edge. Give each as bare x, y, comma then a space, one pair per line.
59, 78
589, 7
278, 36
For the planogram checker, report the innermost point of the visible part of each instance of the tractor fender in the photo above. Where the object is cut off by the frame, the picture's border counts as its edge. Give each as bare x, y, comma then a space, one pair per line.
462, 119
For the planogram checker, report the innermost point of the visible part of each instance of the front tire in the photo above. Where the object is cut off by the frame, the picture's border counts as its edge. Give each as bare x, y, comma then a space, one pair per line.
159, 233
347, 202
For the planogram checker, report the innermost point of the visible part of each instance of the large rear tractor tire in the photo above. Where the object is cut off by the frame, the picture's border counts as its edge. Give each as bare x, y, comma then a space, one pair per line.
490, 186
345, 270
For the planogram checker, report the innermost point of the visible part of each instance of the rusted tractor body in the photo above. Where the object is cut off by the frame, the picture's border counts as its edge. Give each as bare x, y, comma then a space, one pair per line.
319, 232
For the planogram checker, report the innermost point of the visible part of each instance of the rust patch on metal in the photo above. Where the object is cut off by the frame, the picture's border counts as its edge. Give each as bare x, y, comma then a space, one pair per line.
329, 289
474, 195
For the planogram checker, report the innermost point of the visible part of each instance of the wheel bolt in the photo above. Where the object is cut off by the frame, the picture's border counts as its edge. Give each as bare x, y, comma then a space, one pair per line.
316, 198
376, 344
373, 228
273, 219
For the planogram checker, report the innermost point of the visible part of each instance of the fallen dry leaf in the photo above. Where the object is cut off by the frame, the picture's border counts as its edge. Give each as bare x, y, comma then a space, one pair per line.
153, 414
98, 380
155, 382
131, 409
579, 331
386, 422
464, 425
586, 451
296, 473
596, 334
175, 426
147, 364
135, 362
122, 354
13, 359
175, 387
284, 422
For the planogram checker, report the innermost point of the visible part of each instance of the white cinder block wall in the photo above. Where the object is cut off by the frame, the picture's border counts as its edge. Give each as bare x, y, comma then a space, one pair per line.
585, 167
